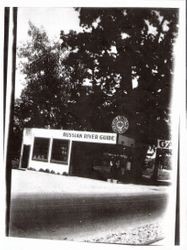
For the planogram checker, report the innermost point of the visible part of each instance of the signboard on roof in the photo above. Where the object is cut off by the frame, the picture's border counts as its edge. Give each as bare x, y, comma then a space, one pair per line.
92, 137
73, 135
120, 124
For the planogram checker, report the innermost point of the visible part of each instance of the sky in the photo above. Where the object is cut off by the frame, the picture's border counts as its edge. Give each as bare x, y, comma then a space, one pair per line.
53, 20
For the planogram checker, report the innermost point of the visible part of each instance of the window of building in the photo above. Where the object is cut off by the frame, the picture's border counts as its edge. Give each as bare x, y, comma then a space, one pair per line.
41, 149
60, 151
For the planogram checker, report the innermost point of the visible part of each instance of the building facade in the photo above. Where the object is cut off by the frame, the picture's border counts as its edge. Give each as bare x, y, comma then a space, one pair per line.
80, 153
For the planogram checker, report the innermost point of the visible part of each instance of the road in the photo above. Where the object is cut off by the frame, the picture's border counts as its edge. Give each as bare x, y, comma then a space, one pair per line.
61, 207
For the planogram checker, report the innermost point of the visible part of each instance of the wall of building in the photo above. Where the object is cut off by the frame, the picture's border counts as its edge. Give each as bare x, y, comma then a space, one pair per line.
80, 138
28, 139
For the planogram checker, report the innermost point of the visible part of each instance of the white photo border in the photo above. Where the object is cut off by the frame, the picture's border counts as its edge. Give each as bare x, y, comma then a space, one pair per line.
178, 108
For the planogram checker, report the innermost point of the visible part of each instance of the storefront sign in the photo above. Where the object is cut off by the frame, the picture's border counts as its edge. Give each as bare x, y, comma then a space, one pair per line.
92, 137
75, 135
163, 144
120, 124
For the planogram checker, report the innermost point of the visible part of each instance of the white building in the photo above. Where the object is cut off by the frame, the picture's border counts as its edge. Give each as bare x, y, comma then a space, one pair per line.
65, 151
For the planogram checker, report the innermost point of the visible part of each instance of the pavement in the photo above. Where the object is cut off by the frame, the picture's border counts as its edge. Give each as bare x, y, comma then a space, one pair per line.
39, 182
52, 206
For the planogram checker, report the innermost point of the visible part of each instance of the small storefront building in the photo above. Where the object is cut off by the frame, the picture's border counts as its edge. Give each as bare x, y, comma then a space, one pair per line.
79, 153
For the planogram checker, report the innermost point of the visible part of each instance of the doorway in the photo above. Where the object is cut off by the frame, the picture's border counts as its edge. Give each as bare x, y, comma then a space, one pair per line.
25, 156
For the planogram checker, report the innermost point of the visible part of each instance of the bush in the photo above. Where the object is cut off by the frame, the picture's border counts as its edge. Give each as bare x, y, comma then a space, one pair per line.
41, 170
33, 169
65, 174
15, 164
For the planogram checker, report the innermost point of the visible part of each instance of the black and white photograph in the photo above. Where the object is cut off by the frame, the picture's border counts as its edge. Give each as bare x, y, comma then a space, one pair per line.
92, 124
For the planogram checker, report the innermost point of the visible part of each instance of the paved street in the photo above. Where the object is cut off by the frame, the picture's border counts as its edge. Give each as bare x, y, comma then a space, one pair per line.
63, 207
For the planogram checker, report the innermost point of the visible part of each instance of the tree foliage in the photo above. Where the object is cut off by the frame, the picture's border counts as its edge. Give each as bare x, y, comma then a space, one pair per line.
121, 64
44, 100
116, 47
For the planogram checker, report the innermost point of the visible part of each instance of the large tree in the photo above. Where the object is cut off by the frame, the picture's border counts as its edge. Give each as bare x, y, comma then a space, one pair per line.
89, 79
117, 48
48, 89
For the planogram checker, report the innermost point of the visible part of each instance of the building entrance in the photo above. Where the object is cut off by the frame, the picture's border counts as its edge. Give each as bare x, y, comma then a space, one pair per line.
25, 157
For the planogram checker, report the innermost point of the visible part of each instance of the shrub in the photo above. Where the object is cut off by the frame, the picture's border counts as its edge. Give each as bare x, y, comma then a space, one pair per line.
41, 170
32, 169
65, 174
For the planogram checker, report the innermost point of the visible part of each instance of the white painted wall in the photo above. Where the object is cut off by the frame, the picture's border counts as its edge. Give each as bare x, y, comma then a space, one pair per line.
28, 139
83, 136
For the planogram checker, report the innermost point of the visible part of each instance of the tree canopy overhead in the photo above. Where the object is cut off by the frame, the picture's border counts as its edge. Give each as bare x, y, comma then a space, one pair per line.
121, 64
120, 47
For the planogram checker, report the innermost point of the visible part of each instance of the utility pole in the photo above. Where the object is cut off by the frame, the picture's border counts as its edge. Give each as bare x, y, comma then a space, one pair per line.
10, 37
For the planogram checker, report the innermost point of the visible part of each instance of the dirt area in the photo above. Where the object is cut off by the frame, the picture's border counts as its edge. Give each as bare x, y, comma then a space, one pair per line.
142, 235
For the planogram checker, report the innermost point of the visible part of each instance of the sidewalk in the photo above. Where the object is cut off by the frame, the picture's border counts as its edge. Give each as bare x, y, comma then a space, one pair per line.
33, 182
